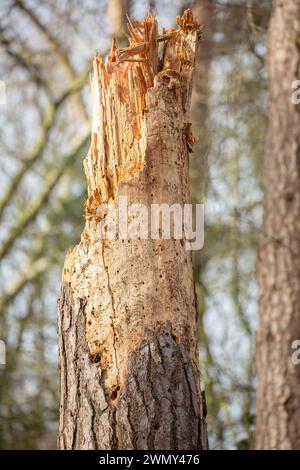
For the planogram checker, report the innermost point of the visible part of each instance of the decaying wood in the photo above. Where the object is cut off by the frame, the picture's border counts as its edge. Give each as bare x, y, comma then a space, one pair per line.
127, 316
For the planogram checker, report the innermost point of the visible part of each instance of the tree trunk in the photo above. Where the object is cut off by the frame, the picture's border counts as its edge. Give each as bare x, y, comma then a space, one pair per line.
127, 316
117, 11
204, 12
278, 397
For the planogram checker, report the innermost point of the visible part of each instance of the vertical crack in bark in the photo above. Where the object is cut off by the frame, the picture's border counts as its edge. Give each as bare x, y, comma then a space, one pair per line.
170, 374
154, 423
112, 317
77, 360
62, 367
94, 431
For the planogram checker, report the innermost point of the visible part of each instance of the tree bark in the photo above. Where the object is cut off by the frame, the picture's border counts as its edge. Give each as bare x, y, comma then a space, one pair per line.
117, 11
127, 316
278, 397
204, 12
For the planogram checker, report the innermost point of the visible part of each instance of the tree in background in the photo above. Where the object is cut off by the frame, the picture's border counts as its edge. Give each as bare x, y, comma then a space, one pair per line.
278, 398
232, 99
117, 11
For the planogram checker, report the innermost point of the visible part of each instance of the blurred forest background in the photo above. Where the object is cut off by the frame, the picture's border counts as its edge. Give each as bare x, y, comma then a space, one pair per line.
46, 50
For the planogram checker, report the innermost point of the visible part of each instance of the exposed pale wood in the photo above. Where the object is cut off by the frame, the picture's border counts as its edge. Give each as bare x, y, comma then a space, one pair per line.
127, 317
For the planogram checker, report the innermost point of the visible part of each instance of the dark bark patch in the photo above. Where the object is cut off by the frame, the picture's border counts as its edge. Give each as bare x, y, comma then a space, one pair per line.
161, 400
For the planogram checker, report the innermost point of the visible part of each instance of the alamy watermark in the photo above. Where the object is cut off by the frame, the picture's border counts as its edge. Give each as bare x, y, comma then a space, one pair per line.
125, 221
296, 353
2, 353
2, 92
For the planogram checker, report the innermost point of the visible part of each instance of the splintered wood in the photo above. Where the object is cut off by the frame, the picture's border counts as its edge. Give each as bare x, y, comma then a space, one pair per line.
119, 88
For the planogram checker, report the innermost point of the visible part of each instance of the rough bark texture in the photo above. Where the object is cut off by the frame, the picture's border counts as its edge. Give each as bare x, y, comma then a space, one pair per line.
278, 393
127, 316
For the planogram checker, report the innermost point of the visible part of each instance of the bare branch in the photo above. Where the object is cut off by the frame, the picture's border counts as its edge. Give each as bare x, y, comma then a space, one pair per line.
29, 273
62, 56
29, 215
40, 145
21, 56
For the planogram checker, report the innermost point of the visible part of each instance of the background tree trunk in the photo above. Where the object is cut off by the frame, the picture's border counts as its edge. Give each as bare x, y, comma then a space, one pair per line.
278, 397
204, 12
127, 316
117, 11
